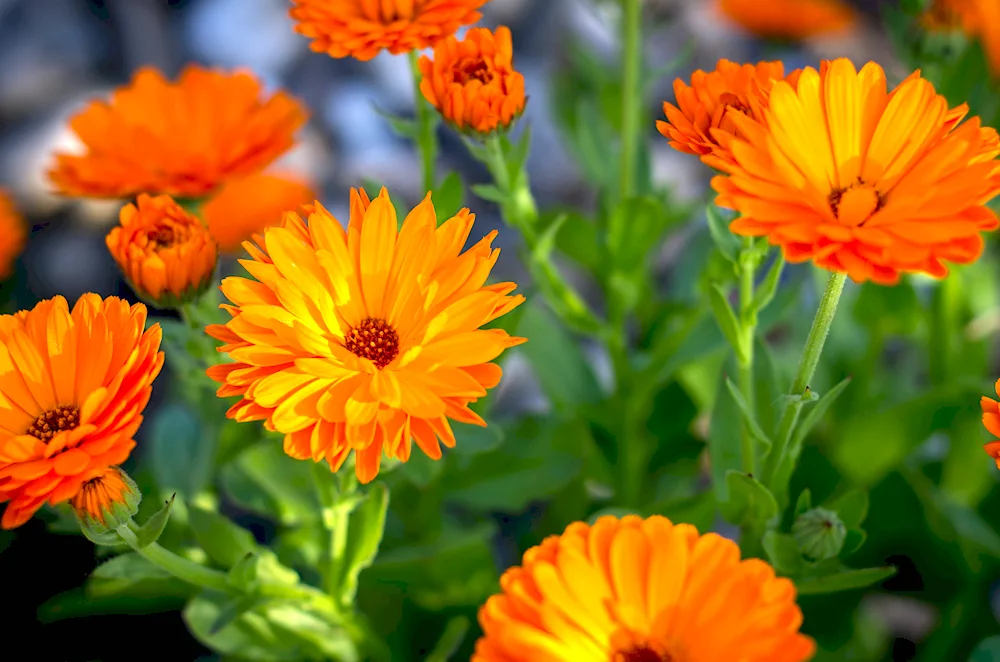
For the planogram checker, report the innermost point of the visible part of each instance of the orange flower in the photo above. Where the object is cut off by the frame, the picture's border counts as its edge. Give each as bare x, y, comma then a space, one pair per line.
363, 28
182, 138
789, 19
245, 206
641, 590
861, 181
73, 388
472, 82
13, 234
364, 340
701, 122
991, 420
166, 254
108, 499
977, 18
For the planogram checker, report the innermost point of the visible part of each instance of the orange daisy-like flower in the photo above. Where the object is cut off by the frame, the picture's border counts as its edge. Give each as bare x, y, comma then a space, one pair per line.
991, 421
166, 254
789, 19
182, 138
73, 385
977, 18
109, 499
364, 340
13, 234
472, 82
701, 123
860, 180
363, 28
641, 590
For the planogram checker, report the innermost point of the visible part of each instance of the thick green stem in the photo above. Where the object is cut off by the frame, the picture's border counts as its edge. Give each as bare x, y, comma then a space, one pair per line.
519, 209
336, 519
632, 95
748, 324
426, 128
807, 368
183, 569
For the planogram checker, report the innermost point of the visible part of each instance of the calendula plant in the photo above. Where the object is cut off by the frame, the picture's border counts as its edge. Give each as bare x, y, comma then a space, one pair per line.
788, 417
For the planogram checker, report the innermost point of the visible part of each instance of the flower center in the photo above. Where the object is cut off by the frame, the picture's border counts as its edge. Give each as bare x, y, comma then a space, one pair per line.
54, 420
855, 204
472, 69
163, 236
733, 102
374, 340
641, 654
385, 11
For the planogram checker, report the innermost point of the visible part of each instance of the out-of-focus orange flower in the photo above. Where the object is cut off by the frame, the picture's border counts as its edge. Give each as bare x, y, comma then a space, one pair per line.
977, 18
166, 254
245, 206
860, 180
13, 234
363, 28
991, 421
73, 385
701, 122
789, 19
646, 590
366, 340
473, 83
181, 138
109, 499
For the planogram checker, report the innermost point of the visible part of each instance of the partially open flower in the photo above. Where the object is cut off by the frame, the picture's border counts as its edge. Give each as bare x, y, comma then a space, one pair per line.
107, 501
166, 254
13, 234
473, 83
363, 28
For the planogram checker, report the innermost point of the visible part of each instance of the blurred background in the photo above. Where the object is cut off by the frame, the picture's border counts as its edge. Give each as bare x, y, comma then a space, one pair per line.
57, 54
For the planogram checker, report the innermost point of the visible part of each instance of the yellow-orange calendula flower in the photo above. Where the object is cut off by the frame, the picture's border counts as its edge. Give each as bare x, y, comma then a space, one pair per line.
789, 19
166, 254
245, 206
363, 28
991, 421
979, 19
182, 138
701, 122
860, 180
73, 385
641, 590
13, 234
363, 340
107, 500
473, 83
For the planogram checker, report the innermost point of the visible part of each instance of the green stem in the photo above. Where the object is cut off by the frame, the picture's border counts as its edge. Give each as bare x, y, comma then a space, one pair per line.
183, 569
632, 95
336, 520
629, 439
426, 127
807, 368
519, 210
748, 324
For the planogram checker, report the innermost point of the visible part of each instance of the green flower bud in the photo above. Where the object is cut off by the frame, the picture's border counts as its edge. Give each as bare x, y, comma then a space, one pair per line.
106, 502
819, 533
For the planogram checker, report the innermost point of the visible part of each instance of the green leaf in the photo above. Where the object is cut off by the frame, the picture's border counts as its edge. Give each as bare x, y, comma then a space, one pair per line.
150, 531
750, 503
852, 507
365, 529
594, 139
421, 470
261, 568
988, 650
816, 414
130, 567
181, 459
450, 641
783, 552
697, 510
448, 197
266, 481
518, 155
727, 243
748, 415
803, 503
843, 581
223, 541
769, 286
490, 193
474, 439
563, 299
726, 319
404, 127
724, 440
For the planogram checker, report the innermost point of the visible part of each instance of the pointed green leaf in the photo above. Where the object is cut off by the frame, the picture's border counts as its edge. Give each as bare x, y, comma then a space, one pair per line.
150, 531
724, 440
750, 503
450, 641
803, 503
225, 542
724, 240
726, 318
365, 529
104, 537
234, 609
769, 286
518, 155
783, 552
852, 507
406, 128
748, 415
489, 192
448, 197
816, 413
843, 581
853, 542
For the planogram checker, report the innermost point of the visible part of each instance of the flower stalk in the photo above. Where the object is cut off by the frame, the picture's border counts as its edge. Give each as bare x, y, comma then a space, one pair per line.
426, 137
748, 325
632, 95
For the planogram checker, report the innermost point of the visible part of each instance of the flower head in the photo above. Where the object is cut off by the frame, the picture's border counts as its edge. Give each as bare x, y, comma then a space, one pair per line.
977, 18
13, 234
182, 138
363, 28
991, 421
107, 500
789, 19
363, 340
701, 123
473, 83
245, 206
860, 180
73, 388
166, 254
629, 590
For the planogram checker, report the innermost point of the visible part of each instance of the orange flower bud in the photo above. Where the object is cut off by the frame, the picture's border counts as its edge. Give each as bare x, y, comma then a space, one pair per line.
473, 83
166, 254
108, 500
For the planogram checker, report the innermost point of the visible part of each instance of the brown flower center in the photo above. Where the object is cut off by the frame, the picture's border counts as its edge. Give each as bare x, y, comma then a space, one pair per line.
641, 654
163, 236
374, 340
733, 102
855, 204
472, 69
54, 420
